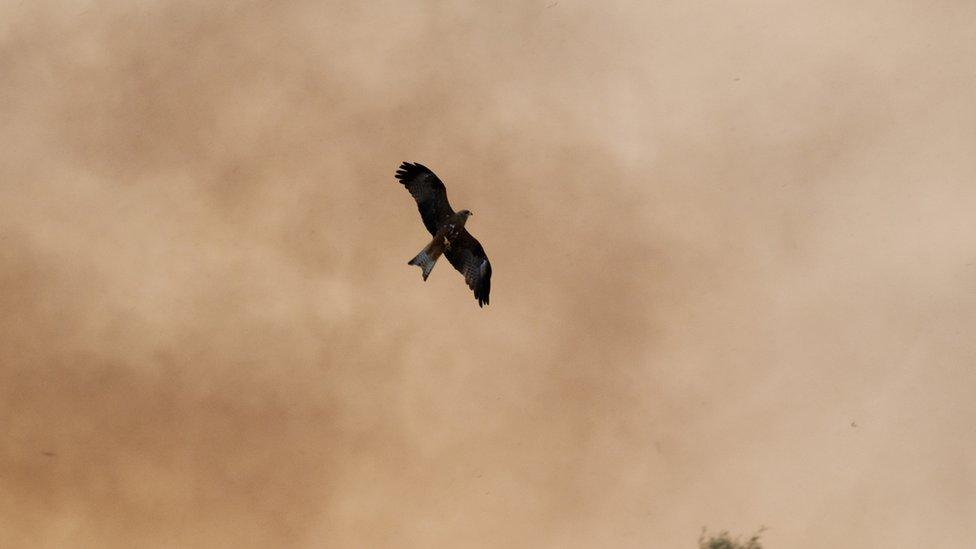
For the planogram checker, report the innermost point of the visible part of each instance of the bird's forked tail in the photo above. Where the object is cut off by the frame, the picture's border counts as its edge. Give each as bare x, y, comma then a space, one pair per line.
425, 261
429, 255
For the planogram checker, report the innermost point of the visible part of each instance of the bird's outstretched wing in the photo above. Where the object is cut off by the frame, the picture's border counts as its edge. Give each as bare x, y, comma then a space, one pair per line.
429, 192
468, 257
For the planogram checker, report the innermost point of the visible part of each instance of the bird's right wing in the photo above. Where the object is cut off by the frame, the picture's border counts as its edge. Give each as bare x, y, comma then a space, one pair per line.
470, 259
429, 192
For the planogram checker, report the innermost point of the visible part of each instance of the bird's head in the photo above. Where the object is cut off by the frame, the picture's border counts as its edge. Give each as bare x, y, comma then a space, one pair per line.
466, 213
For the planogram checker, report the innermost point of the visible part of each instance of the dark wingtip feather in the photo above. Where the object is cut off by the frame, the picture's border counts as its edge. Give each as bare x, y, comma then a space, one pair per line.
408, 171
483, 288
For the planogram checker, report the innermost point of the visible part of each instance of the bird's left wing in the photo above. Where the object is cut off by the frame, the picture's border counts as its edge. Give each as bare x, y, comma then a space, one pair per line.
469, 258
429, 192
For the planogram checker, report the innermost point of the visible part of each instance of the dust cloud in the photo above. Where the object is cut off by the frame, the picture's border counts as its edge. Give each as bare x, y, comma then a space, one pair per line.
733, 246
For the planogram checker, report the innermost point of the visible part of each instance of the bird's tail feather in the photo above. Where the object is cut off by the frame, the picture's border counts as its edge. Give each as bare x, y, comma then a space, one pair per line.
429, 255
425, 261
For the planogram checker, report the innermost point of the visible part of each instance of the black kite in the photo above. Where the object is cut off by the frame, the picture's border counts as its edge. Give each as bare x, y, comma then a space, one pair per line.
447, 227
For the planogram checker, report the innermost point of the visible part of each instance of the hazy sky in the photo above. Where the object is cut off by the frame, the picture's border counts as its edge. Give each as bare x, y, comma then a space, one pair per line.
734, 251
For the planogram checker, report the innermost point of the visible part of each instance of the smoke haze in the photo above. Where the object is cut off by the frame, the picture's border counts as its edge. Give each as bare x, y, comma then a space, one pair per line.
734, 284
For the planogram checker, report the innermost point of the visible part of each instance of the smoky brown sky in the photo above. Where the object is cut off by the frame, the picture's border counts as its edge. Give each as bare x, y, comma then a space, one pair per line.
733, 244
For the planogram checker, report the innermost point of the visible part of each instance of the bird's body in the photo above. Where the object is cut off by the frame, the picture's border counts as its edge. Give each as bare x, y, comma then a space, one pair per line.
450, 238
441, 243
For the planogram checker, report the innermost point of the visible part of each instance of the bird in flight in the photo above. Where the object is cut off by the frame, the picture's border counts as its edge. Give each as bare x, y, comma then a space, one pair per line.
447, 227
